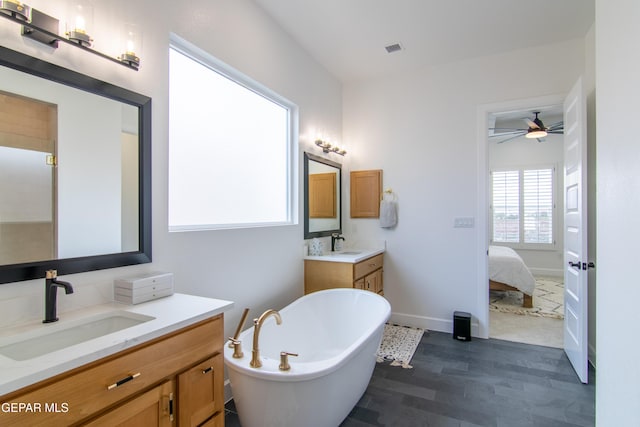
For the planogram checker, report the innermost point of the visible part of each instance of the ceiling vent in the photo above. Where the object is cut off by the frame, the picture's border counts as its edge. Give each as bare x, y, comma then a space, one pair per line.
396, 47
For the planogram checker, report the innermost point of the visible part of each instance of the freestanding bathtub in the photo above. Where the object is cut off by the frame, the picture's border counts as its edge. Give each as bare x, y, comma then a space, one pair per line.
336, 334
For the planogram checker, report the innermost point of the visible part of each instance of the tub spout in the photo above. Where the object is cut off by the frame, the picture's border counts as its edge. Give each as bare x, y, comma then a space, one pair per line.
255, 353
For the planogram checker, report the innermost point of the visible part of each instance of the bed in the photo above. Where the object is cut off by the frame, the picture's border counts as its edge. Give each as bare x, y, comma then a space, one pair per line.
507, 272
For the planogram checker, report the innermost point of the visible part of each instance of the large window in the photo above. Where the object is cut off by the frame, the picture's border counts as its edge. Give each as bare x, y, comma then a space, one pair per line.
523, 206
231, 147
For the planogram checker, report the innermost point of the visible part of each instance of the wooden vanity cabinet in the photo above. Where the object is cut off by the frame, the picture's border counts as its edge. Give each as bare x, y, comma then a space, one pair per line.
201, 392
371, 282
176, 379
151, 408
366, 274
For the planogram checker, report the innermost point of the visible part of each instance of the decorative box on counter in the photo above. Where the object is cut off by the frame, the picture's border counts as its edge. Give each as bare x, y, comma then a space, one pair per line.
147, 287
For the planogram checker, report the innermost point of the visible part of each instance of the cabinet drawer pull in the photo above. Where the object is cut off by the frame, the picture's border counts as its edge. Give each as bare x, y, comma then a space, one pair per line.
373, 264
206, 371
122, 381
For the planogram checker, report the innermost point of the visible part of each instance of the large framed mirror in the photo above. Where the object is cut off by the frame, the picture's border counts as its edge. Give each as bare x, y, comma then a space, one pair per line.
75, 171
322, 196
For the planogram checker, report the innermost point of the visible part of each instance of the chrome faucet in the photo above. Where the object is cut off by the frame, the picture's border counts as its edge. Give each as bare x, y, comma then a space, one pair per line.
255, 353
51, 285
334, 238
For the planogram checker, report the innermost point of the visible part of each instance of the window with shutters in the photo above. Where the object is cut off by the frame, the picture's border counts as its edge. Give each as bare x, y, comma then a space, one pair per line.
523, 206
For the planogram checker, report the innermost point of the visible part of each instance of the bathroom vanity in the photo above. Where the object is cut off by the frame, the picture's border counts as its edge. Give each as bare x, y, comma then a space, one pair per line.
166, 371
360, 269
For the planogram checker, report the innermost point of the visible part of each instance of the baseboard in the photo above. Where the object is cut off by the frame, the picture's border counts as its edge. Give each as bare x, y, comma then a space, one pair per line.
430, 323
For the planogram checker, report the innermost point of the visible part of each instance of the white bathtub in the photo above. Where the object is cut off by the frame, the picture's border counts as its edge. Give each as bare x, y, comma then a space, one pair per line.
336, 334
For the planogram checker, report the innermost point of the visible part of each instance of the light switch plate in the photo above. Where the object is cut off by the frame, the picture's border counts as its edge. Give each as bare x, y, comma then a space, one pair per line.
463, 222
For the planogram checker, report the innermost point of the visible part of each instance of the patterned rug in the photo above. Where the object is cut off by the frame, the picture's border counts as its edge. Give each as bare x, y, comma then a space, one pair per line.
548, 299
398, 345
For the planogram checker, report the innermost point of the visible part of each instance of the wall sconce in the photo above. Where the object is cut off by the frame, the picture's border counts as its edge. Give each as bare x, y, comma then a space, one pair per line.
328, 148
132, 44
80, 17
43, 28
14, 8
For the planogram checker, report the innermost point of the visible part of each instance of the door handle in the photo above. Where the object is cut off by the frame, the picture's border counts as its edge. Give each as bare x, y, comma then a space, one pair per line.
584, 265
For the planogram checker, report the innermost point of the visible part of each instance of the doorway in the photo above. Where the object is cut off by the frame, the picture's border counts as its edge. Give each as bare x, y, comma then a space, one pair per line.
525, 225
27, 179
578, 202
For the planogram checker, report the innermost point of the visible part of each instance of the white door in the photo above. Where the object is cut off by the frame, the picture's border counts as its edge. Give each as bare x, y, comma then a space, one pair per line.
575, 230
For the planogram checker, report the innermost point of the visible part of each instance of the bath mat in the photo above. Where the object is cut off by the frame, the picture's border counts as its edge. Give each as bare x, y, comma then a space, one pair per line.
548, 300
398, 345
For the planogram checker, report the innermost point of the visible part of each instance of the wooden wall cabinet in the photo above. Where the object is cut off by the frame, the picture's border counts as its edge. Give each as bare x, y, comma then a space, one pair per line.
366, 274
366, 192
174, 380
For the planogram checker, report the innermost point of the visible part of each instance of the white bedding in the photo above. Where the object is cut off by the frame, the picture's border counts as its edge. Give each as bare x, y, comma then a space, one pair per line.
506, 266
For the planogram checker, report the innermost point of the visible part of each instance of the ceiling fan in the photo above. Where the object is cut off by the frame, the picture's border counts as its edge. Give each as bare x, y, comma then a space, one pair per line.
536, 129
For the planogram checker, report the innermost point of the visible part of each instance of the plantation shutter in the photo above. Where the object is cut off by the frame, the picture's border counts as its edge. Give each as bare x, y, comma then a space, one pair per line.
538, 206
506, 206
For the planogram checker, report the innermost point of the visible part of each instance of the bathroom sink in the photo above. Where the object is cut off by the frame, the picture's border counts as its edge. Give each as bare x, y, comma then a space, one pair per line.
45, 340
342, 253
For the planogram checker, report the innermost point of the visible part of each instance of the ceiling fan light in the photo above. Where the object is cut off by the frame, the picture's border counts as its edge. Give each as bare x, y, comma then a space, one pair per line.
536, 133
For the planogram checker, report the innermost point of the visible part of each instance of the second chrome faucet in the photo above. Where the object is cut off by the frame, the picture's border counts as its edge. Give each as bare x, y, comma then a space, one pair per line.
255, 353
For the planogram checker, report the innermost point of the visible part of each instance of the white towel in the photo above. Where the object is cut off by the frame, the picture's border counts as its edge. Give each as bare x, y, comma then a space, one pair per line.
388, 214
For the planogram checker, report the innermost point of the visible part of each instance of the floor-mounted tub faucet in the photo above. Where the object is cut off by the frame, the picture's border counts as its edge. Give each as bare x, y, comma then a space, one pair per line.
335, 237
51, 286
255, 353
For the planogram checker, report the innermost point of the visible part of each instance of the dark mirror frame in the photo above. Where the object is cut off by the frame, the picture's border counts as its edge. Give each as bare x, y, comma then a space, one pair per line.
35, 270
323, 233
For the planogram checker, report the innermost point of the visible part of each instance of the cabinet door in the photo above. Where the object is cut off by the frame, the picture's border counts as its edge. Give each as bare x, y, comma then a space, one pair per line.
373, 281
360, 284
216, 421
151, 409
366, 189
201, 392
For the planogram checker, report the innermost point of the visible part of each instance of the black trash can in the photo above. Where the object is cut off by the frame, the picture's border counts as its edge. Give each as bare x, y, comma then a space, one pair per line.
461, 326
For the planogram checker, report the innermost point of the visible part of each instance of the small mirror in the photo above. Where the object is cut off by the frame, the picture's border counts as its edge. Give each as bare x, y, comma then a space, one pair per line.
322, 197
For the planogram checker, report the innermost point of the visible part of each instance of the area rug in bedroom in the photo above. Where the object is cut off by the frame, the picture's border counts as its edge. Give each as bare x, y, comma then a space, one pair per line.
548, 299
398, 344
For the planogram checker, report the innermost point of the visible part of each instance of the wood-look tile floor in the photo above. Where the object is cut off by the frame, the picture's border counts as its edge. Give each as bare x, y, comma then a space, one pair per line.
477, 383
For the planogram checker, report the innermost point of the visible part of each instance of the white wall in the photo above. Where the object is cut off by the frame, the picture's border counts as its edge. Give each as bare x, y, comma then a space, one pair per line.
257, 268
618, 181
421, 129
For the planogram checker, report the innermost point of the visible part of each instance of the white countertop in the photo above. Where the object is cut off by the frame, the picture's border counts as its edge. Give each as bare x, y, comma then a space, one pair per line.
348, 255
170, 314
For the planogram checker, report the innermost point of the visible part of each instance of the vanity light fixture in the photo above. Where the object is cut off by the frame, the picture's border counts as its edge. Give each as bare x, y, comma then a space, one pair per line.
80, 17
43, 28
328, 148
15, 9
132, 43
